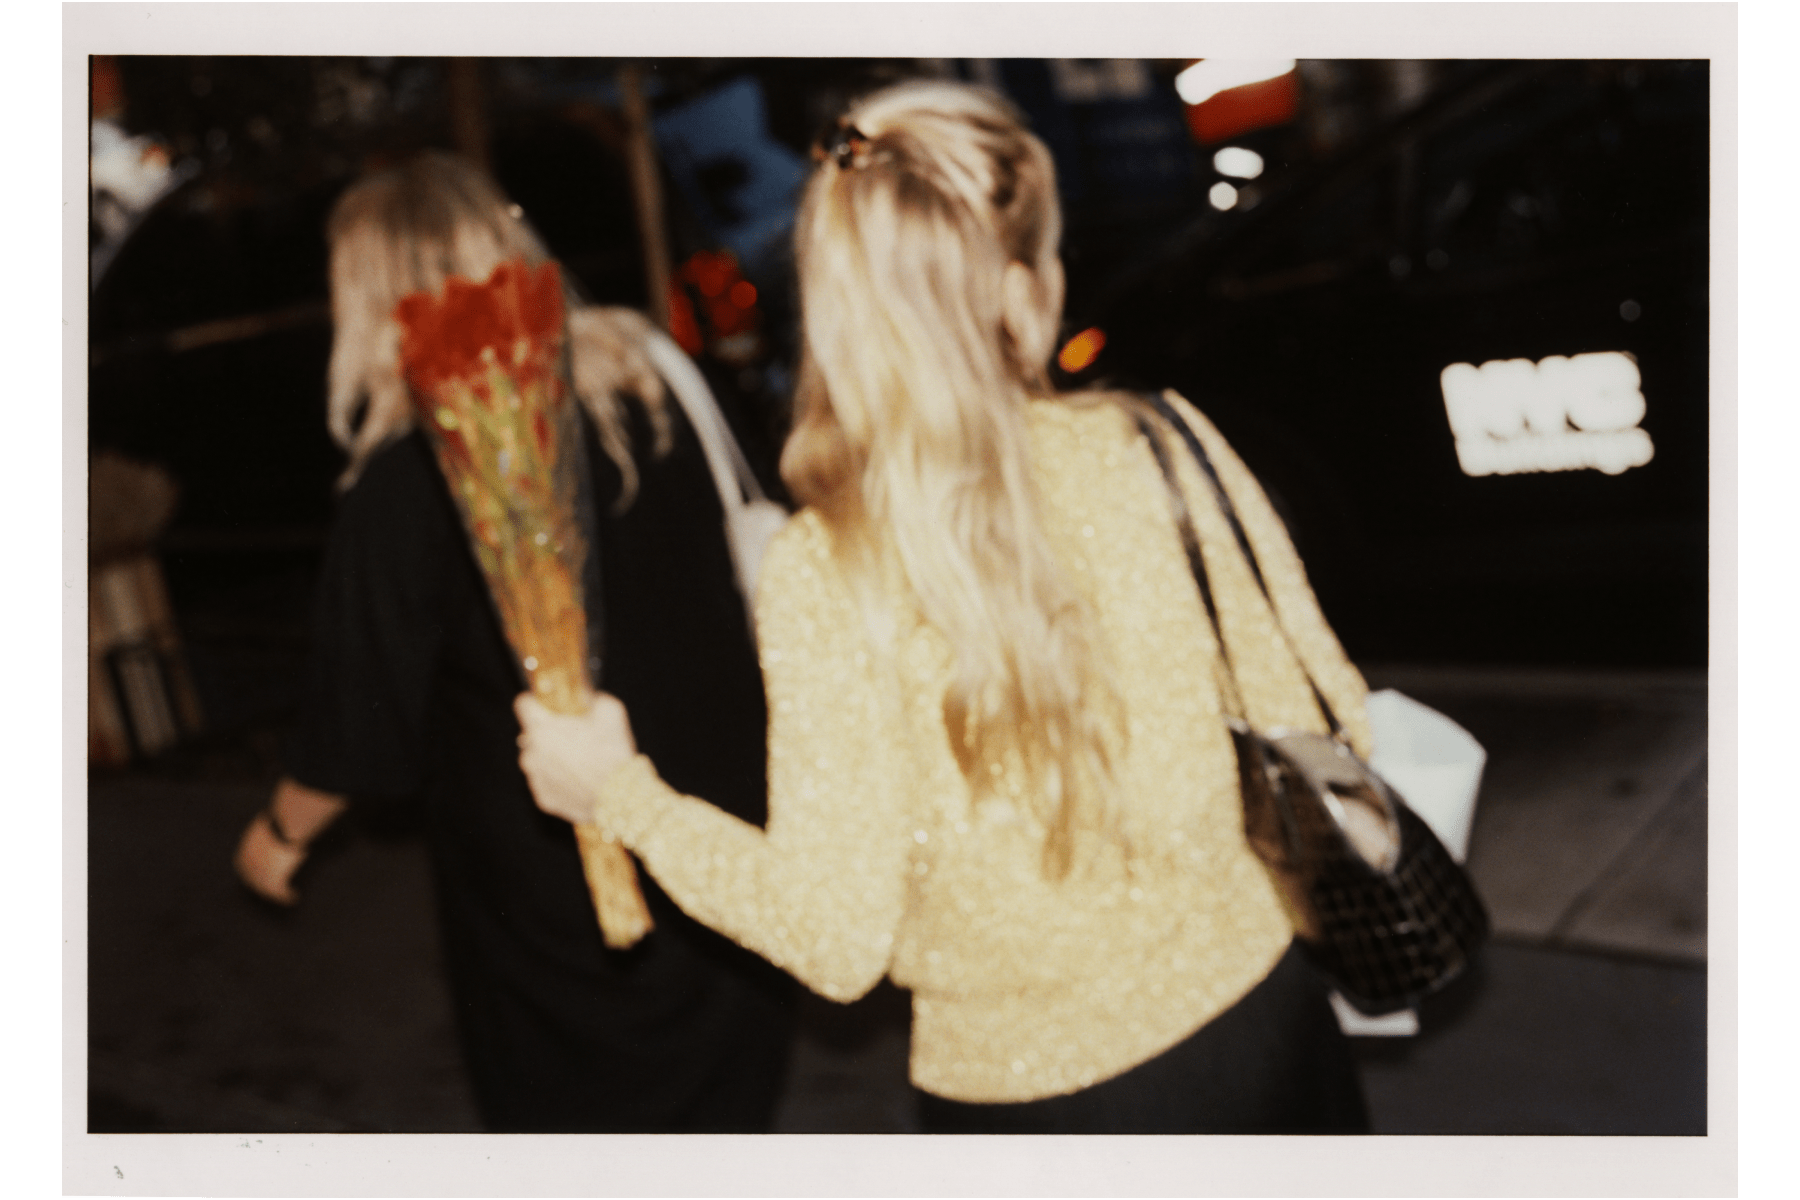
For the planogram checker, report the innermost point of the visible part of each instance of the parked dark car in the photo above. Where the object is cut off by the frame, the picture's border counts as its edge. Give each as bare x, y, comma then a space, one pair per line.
1526, 211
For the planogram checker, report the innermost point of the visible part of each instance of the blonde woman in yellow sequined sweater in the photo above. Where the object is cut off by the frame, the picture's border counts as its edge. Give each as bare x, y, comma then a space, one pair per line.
998, 772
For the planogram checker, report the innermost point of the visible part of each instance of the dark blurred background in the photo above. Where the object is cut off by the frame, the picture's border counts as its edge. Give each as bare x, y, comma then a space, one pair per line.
1300, 247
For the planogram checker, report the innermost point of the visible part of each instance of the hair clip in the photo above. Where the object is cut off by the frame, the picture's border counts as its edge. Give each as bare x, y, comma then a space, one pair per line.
843, 145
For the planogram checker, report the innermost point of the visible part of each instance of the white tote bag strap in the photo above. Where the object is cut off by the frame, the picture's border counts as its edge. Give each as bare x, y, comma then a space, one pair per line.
751, 518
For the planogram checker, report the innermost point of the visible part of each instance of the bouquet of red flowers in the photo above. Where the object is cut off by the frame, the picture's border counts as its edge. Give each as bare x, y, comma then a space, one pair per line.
483, 365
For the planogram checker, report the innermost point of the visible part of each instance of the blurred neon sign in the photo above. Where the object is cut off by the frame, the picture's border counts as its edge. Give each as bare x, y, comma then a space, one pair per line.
1512, 416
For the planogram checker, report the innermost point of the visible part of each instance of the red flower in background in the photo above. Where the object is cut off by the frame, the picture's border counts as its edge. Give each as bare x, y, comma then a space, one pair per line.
443, 336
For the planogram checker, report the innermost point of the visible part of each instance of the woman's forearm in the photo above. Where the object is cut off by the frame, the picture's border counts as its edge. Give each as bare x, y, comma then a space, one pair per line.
275, 843
819, 894
303, 813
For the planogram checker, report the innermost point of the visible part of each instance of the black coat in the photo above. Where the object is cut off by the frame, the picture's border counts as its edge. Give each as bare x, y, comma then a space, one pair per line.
410, 694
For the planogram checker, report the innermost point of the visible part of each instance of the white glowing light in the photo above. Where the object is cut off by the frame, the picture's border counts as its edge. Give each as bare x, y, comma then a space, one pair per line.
1222, 195
1210, 76
1238, 162
1560, 414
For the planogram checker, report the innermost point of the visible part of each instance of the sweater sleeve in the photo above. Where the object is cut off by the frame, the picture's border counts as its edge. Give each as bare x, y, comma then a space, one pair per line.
821, 891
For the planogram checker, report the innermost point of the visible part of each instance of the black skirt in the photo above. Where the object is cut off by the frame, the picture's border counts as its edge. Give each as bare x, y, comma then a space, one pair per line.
1274, 1062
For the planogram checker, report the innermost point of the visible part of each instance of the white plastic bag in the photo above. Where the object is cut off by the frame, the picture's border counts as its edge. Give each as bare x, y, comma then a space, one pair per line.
1431, 761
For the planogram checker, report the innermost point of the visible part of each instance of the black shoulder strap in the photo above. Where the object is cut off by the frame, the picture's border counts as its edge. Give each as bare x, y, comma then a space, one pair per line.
1161, 405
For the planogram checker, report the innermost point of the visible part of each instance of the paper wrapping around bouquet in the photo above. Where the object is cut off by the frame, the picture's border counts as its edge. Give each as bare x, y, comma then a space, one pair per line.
483, 365
611, 875
613, 882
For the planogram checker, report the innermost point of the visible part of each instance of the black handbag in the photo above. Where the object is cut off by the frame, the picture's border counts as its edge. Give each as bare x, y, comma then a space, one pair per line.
1380, 904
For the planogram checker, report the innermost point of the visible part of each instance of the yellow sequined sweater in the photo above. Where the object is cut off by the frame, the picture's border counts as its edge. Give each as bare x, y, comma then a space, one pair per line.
874, 862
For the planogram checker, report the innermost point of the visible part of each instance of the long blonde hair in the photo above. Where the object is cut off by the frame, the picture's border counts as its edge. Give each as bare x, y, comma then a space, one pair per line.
409, 229
931, 292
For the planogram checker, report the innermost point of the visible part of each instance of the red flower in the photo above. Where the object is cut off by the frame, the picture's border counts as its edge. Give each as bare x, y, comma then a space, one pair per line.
452, 445
442, 337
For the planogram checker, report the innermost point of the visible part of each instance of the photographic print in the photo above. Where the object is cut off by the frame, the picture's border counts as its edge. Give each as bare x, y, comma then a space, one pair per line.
911, 479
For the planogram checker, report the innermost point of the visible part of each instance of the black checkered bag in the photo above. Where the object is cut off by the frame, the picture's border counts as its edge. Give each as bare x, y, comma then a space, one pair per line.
1380, 904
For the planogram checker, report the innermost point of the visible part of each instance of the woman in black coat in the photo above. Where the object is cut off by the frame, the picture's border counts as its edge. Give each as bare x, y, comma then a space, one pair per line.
409, 694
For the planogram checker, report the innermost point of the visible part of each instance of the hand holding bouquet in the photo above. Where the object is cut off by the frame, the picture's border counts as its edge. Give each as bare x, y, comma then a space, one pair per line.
483, 365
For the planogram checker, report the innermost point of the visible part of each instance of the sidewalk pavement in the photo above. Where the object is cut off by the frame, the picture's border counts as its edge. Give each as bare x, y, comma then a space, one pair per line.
209, 1012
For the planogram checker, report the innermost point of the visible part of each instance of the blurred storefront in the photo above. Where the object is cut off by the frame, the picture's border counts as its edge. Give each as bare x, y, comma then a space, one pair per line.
1304, 247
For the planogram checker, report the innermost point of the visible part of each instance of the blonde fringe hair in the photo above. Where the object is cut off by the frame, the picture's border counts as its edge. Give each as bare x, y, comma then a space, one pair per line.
931, 293
410, 229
